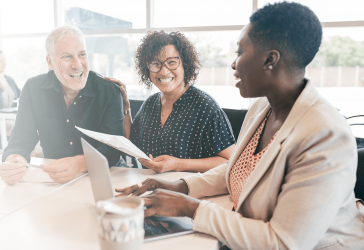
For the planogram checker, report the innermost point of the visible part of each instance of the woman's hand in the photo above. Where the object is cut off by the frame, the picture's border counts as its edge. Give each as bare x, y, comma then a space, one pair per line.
161, 164
152, 184
124, 93
169, 203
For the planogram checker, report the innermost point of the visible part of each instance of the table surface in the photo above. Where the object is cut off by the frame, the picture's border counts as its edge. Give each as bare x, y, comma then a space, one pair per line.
59, 216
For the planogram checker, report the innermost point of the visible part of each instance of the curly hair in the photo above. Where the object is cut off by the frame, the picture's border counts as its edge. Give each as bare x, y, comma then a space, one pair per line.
291, 28
151, 46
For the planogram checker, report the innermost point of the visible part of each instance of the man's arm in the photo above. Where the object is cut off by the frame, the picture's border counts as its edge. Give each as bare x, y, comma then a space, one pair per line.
24, 136
113, 124
23, 139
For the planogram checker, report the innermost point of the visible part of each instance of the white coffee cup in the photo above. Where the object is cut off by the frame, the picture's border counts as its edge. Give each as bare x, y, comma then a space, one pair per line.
120, 222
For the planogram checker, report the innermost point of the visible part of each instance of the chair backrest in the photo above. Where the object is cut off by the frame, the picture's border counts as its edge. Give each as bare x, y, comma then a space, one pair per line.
359, 186
236, 118
135, 106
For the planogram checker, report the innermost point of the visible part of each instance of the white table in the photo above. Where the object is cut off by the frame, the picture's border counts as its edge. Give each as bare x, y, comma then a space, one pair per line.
3, 118
63, 218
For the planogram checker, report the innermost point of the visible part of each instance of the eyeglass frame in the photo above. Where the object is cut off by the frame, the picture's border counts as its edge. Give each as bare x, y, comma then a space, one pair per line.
163, 63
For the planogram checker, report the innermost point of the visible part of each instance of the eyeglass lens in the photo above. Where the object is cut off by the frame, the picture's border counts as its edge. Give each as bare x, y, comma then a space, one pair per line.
171, 63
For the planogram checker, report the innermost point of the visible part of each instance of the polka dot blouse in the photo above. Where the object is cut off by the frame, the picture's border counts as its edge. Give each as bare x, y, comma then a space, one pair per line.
246, 163
196, 128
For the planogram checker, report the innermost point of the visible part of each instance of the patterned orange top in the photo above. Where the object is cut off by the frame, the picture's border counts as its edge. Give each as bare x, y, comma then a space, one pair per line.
246, 163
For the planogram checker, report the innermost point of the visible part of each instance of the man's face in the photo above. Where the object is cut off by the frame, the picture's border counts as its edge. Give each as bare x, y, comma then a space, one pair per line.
69, 62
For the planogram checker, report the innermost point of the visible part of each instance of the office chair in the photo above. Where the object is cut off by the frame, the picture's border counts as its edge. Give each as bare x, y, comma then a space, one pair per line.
135, 106
236, 118
359, 185
359, 141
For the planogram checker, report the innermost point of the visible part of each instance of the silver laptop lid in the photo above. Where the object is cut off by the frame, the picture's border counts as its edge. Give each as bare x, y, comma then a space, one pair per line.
98, 171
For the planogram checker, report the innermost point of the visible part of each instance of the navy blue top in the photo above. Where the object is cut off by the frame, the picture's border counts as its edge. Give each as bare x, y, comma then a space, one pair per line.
196, 128
43, 115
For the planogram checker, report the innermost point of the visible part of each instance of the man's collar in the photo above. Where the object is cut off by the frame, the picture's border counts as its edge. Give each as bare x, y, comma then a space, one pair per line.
88, 90
51, 81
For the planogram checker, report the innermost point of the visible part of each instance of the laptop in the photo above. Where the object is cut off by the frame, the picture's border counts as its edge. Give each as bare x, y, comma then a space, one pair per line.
156, 227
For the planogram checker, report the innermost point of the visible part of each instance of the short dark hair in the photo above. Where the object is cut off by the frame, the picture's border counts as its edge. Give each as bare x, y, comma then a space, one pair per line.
291, 28
151, 46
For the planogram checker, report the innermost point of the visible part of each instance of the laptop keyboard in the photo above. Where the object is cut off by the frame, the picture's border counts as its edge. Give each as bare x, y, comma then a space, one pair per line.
153, 227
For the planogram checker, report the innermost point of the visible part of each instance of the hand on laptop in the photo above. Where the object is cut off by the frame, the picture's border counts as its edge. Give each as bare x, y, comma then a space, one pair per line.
169, 203
65, 169
161, 164
153, 184
13, 169
167, 198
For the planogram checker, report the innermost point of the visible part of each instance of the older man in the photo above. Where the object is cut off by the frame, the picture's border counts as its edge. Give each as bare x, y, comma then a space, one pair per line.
52, 104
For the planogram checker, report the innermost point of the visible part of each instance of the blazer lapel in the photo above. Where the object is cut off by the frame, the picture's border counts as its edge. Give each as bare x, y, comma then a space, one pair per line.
306, 99
247, 131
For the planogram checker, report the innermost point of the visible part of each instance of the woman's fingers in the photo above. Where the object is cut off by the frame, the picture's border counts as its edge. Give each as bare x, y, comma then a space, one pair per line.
135, 189
129, 190
156, 166
122, 85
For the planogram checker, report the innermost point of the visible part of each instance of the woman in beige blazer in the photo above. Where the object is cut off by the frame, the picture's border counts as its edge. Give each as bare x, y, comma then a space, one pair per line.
300, 193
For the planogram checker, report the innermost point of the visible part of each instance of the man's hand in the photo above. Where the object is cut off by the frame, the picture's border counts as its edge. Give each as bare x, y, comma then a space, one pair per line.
161, 164
13, 169
65, 169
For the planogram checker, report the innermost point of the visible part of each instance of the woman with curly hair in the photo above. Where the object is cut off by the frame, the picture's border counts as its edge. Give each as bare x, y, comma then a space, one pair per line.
181, 126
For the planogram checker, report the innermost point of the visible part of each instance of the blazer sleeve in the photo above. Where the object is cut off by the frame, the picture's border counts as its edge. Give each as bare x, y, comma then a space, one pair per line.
320, 174
210, 183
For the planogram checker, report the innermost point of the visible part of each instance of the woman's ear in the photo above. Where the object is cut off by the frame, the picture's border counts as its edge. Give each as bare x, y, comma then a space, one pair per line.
273, 57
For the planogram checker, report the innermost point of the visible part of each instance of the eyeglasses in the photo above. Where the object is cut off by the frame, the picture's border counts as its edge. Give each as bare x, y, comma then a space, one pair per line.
172, 63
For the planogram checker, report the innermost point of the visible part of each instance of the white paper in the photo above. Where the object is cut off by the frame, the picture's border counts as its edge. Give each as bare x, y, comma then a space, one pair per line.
116, 141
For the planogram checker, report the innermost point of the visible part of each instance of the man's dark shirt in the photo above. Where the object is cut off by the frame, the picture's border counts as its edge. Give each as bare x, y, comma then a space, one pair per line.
43, 115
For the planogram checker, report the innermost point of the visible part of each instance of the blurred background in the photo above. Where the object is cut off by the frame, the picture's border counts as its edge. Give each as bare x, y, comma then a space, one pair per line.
113, 29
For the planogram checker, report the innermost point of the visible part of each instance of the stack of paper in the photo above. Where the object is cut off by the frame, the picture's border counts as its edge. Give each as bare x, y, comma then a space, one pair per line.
116, 141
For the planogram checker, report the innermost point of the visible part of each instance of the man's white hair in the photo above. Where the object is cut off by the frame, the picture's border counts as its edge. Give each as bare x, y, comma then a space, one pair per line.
61, 33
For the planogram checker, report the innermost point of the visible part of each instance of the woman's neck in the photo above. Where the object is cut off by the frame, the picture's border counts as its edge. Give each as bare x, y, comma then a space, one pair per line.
172, 97
284, 96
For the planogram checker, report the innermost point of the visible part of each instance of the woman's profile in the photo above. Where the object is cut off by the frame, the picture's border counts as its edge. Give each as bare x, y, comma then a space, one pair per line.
292, 174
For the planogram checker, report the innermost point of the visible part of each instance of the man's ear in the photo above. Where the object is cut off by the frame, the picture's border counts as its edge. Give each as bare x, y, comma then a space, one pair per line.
49, 62
273, 57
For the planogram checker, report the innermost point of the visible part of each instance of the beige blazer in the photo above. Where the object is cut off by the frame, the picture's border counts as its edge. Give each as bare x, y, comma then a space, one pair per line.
300, 195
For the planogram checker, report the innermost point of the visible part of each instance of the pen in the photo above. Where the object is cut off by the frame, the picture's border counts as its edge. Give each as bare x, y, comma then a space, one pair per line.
34, 166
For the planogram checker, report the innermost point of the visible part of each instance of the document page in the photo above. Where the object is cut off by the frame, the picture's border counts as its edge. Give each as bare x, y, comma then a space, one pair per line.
116, 141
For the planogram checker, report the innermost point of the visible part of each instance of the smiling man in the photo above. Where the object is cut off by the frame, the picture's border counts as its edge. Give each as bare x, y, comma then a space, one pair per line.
52, 104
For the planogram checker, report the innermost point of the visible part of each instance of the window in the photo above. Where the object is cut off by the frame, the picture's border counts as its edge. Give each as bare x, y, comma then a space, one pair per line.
330, 10
338, 69
189, 13
113, 29
106, 14
25, 58
23, 16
